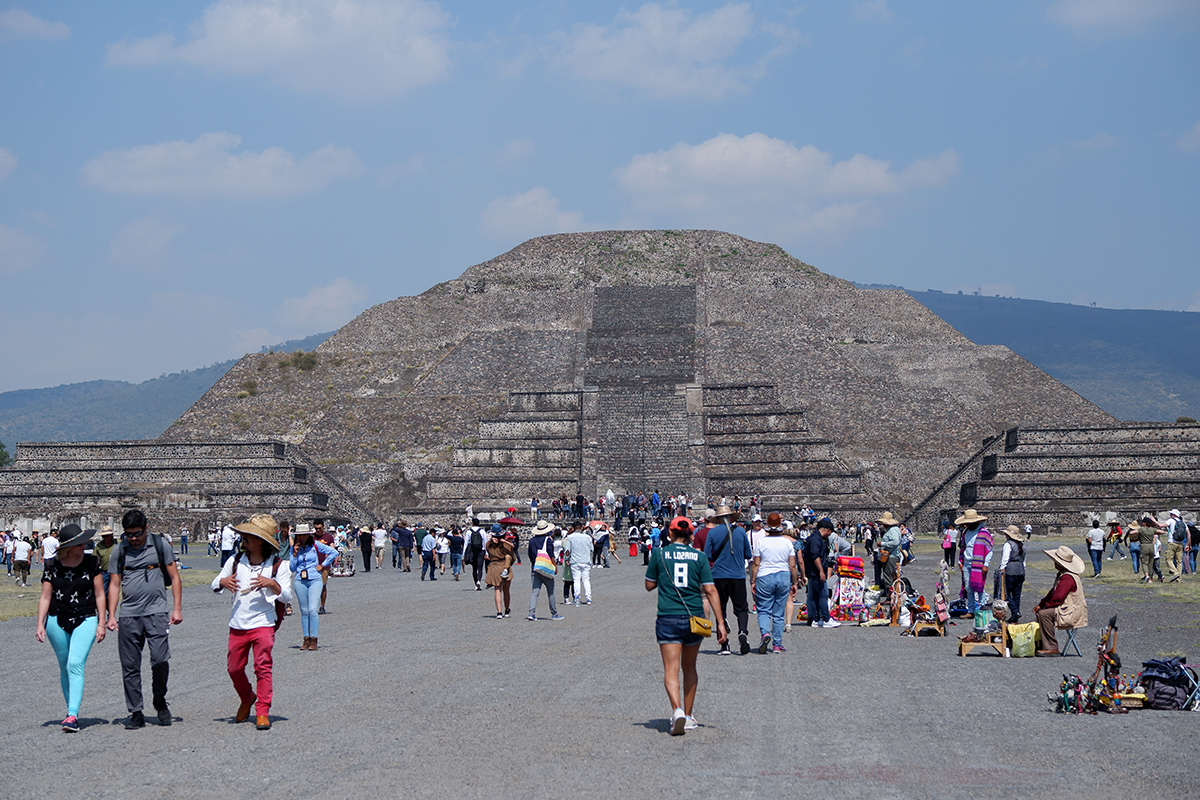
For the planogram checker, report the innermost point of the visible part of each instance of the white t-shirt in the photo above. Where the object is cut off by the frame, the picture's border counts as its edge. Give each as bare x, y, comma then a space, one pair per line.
21, 550
773, 553
1095, 537
379, 537
49, 547
228, 537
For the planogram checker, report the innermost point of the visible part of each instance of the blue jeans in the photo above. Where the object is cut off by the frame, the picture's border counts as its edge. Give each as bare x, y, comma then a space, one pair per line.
1135, 553
818, 601
1116, 549
455, 563
770, 596
308, 598
1097, 557
1191, 556
72, 651
428, 562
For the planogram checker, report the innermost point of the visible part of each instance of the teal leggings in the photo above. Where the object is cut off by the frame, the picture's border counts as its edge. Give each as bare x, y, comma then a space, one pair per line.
72, 650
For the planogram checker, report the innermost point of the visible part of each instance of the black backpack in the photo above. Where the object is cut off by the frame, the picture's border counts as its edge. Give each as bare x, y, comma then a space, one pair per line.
159, 548
476, 541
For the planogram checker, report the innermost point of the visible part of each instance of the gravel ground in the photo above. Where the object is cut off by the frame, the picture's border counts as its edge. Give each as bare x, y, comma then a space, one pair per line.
418, 691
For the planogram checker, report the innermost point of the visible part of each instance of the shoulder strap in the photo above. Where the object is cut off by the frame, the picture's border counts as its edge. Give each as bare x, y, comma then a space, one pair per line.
663, 558
717, 553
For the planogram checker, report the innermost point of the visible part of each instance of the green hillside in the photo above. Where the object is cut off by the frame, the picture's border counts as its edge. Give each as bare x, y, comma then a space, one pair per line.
1137, 365
104, 410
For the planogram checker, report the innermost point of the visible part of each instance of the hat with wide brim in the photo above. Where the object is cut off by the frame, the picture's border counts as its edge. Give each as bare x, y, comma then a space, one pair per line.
72, 535
1015, 533
1066, 558
888, 519
970, 517
543, 527
774, 522
263, 526
724, 511
106, 530
303, 529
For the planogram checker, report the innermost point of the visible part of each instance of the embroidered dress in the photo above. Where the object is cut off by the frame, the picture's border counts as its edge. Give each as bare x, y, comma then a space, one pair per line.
980, 551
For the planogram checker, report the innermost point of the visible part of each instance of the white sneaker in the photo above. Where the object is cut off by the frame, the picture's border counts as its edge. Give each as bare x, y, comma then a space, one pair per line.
678, 722
787, 628
690, 724
833, 623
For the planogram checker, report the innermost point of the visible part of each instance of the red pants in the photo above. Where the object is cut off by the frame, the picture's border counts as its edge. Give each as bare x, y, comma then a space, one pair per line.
240, 642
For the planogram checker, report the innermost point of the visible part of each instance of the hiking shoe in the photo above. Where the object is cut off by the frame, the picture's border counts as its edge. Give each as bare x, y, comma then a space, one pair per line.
678, 722
531, 618
164, 717
744, 644
690, 724
136, 720
779, 649
70, 725
764, 644
557, 617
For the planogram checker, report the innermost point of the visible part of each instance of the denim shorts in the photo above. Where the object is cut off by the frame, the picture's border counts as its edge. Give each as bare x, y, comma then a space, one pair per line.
676, 630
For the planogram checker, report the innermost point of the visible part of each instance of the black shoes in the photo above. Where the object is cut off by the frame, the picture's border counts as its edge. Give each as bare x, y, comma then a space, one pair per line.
745, 644
164, 717
136, 720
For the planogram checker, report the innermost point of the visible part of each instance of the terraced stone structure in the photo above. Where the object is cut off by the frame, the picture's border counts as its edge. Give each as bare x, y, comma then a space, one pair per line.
1055, 477
175, 482
693, 361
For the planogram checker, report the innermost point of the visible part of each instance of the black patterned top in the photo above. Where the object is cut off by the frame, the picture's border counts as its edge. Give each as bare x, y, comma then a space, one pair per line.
72, 591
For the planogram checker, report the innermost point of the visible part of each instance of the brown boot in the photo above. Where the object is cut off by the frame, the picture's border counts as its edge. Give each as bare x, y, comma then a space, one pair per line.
264, 722
243, 712
307, 642
313, 646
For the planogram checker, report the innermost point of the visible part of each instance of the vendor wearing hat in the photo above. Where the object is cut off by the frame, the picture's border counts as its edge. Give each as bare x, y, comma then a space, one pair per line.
889, 550
1064, 606
260, 581
727, 548
976, 556
1115, 535
1012, 568
70, 613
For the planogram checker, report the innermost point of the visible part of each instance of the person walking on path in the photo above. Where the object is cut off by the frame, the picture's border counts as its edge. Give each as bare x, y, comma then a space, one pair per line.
682, 576
260, 582
542, 568
22, 555
379, 542
473, 553
578, 547
501, 555
311, 559
1115, 535
815, 552
429, 556
772, 578
141, 568
1177, 540
71, 614
405, 540
365, 546
1095, 541
727, 549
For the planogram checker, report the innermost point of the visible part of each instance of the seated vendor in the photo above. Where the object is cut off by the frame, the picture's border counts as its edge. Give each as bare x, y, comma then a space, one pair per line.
1064, 606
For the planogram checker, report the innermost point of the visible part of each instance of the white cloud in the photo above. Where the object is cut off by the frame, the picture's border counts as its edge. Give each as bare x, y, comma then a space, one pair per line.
1101, 141
144, 243
755, 183
397, 170
19, 250
1190, 141
664, 51
322, 308
872, 10
1120, 17
8, 162
514, 153
532, 213
207, 167
359, 50
17, 23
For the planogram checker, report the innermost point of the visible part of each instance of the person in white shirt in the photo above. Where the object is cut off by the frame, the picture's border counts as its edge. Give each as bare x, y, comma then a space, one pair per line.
577, 551
258, 579
379, 540
22, 552
229, 540
49, 547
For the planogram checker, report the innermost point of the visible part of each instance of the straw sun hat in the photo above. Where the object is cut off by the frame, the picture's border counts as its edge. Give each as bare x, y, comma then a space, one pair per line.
1066, 558
263, 526
970, 517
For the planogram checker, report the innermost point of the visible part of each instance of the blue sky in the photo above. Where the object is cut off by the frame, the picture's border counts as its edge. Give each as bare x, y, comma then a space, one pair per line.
182, 183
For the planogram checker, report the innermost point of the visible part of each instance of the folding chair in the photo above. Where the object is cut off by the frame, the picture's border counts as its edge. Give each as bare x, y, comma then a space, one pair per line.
1193, 701
1070, 632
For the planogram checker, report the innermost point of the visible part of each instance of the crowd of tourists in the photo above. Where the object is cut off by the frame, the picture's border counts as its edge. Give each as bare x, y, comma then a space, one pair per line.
95, 583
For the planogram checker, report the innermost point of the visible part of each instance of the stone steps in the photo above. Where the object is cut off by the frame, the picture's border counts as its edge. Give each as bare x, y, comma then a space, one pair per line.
1162, 489
516, 457
207, 474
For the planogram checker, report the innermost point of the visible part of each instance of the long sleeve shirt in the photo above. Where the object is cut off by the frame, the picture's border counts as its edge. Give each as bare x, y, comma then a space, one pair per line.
1063, 586
316, 554
255, 609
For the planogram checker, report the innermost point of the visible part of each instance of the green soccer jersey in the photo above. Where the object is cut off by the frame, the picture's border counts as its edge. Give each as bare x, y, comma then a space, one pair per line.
680, 572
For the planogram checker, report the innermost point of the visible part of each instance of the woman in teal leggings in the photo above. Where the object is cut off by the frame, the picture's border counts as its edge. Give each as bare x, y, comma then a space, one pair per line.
71, 613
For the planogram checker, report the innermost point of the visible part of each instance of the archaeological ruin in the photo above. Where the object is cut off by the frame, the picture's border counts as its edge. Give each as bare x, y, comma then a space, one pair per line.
682, 361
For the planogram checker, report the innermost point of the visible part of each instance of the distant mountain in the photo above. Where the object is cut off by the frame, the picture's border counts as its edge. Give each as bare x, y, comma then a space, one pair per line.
1137, 365
105, 410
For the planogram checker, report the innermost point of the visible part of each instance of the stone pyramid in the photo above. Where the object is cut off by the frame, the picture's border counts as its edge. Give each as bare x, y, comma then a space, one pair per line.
682, 361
